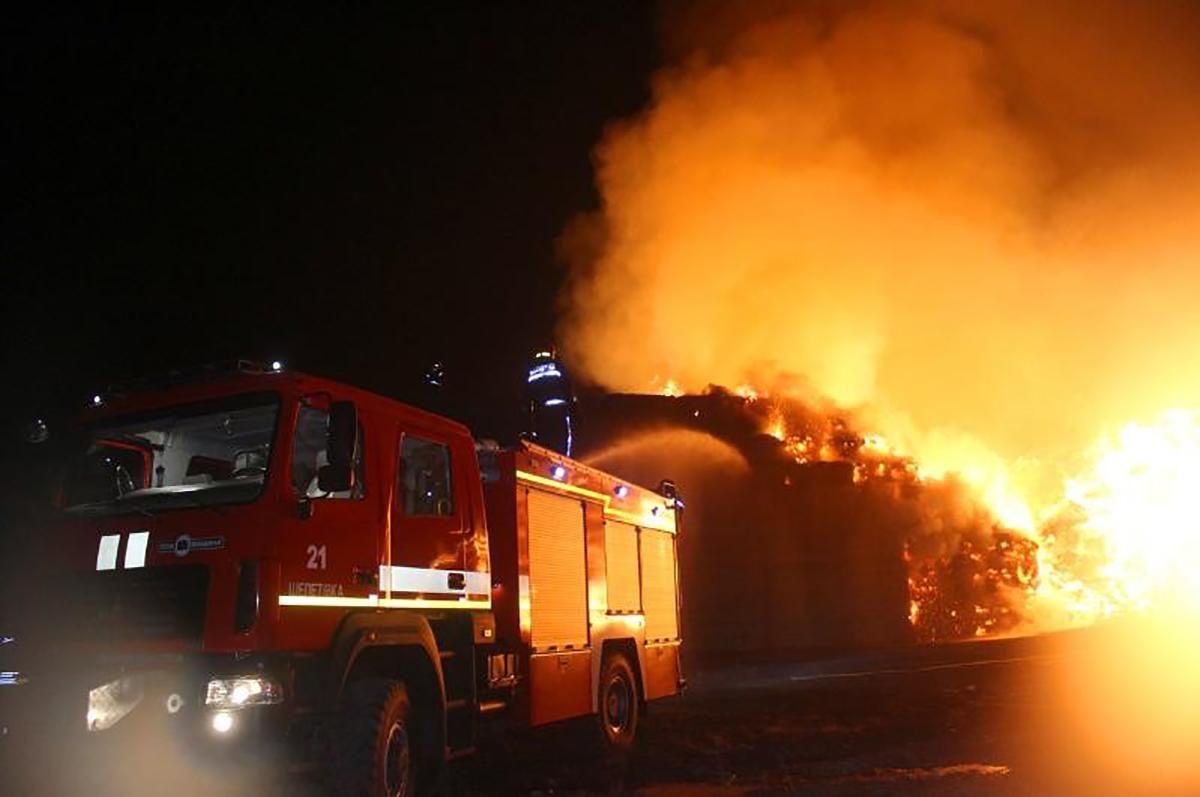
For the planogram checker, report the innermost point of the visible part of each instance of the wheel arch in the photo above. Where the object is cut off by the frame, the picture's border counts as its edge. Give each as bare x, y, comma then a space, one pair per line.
629, 647
397, 645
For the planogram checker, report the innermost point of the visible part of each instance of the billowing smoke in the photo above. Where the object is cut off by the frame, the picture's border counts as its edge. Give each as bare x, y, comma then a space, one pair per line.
976, 222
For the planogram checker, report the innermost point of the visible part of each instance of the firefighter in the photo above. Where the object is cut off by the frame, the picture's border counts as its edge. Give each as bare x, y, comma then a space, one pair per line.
550, 403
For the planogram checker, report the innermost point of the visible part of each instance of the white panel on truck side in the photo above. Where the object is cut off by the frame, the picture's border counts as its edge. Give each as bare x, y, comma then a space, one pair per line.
621, 567
557, 572
658, 585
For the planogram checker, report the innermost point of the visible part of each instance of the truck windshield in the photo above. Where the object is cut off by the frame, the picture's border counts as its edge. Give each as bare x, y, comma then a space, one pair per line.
194, 455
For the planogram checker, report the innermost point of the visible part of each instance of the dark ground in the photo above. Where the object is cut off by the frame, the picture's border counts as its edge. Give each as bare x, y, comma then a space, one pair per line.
1069, 714
982, 718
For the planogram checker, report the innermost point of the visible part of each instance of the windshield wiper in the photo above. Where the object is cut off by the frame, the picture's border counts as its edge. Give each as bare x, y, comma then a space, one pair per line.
97, 507
220, 510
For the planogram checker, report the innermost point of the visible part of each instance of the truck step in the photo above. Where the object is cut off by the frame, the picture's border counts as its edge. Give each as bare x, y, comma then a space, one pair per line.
461, 752
457, 705
492, 706
446, 654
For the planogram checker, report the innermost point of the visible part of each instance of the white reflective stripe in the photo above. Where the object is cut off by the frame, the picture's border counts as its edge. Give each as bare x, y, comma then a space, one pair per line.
106, 556
135, 549
427, 580
383, 603
327, 600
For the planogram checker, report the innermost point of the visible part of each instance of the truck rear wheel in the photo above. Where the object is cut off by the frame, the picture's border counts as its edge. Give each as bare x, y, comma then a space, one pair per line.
373, 746
619, 704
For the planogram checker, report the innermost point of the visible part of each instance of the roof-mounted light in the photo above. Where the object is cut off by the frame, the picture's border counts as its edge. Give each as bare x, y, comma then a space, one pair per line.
622, 491
544, 371
558, 473
276, 365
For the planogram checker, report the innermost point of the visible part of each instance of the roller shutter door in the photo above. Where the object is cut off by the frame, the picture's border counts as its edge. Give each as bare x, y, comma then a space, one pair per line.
658, 584
557, 572
621, 564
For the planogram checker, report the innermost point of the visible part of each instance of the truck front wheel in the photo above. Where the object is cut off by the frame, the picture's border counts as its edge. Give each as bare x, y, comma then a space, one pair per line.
619, 703
373, 744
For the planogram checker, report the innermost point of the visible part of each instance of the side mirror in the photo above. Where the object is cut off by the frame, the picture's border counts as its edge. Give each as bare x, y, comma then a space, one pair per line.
341, 449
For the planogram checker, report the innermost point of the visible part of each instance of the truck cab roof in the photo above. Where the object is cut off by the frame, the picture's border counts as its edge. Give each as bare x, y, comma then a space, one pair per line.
209, 383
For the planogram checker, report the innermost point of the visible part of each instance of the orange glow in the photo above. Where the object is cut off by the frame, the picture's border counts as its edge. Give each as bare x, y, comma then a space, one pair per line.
1135, 538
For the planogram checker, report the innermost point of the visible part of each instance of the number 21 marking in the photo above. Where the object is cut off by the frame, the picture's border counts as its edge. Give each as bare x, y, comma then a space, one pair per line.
316, 557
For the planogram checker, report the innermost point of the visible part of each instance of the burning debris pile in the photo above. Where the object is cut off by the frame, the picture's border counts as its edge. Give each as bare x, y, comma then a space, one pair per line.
1119, 537
980, 589
968, 575
864, 537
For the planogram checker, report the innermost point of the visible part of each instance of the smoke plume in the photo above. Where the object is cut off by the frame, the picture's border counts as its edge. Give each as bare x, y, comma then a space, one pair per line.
975, 222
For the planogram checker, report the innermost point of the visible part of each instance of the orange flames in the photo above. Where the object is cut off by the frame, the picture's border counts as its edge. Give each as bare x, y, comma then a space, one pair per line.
1132, 537
974, 231
1118, 535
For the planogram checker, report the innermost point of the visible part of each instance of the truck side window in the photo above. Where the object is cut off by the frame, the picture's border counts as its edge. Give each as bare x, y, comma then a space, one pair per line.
425, 485
308, 455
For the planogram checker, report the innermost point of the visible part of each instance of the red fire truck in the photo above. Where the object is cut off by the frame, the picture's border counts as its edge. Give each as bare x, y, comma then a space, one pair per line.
271, 559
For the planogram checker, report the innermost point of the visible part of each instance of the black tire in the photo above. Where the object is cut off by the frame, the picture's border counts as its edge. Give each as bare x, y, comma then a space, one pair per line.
374, 748
619, 704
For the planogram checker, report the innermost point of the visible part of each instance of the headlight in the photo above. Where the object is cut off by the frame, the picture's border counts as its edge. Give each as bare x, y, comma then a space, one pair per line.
243, 691
109, 703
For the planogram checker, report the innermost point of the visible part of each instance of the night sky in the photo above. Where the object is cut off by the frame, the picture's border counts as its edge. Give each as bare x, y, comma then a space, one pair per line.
358, 192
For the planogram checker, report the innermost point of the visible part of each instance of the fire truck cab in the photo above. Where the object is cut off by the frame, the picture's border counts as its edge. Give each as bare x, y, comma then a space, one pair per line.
270, 559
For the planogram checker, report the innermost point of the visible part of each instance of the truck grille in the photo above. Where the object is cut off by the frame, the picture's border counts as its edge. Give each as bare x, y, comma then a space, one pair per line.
147, 604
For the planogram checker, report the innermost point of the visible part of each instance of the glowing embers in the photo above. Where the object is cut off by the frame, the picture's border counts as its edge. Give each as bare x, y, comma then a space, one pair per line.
977, 589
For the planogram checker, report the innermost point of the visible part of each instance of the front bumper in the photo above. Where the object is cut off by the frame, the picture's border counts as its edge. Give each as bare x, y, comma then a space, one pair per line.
149, 729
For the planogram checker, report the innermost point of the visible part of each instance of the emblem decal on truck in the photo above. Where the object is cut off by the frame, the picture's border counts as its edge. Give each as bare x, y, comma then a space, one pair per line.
185, 544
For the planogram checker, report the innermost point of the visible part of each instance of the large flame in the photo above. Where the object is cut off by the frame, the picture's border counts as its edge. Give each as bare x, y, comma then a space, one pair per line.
1133, 537
973, 229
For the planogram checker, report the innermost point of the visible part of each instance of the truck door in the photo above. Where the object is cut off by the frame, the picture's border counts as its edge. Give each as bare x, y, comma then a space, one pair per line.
333, 553
429, 514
